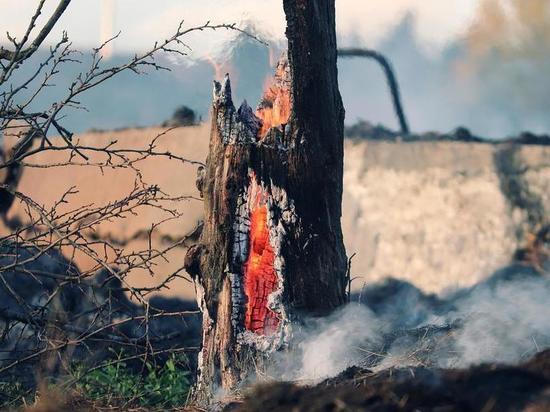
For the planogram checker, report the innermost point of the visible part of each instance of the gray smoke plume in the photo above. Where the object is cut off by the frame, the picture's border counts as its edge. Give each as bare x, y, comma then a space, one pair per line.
331, 347
503, 324
505, 319
492, 80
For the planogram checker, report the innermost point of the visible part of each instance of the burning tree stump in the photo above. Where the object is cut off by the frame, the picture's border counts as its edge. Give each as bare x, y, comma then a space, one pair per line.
271, 249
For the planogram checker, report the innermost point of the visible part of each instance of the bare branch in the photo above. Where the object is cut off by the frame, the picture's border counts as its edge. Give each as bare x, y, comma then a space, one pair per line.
18, 55
390, 77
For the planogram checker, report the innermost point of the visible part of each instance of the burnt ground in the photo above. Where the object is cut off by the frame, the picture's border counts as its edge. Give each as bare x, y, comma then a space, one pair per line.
486, 388
407, 313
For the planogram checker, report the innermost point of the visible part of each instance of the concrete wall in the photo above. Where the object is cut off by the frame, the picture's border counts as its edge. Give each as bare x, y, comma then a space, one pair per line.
441, 214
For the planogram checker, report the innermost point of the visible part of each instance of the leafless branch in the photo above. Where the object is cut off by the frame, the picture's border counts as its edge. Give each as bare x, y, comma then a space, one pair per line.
49, 307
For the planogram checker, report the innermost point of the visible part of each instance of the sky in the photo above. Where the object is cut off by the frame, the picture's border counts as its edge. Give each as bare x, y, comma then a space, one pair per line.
443, 83
363, 22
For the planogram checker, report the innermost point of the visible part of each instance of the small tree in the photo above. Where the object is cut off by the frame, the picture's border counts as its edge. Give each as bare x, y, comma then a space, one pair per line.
183, 116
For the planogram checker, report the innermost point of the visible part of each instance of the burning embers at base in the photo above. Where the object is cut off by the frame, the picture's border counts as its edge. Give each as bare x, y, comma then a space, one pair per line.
263, 212
257, 244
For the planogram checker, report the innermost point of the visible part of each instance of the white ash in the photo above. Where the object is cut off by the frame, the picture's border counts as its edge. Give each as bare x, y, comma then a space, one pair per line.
206, 325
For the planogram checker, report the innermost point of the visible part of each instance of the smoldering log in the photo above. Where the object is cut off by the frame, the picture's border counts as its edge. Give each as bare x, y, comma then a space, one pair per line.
238, 264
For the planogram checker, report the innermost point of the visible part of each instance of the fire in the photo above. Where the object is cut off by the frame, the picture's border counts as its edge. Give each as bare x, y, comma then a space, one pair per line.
260, 279
274, 109
220, 68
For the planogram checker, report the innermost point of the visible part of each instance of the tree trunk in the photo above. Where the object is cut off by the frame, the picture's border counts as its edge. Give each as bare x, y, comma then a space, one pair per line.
271, 250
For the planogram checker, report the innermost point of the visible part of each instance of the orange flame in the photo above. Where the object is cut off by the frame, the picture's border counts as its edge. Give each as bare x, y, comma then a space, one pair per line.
221, 67
218, 68
274, 109
260, 279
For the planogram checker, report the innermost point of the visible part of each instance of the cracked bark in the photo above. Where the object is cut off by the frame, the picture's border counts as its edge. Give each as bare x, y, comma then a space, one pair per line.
271, 250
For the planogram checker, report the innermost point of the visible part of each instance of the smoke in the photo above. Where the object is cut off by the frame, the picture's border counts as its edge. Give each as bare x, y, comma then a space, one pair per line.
332, 344
492, 79
324, 347
503, 324
504, 319
106, 27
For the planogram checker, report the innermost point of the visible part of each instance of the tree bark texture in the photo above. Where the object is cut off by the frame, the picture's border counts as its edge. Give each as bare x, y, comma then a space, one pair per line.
271, 250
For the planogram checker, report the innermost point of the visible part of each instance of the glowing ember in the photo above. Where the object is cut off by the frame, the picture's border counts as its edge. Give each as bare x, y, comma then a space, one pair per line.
274, 110
259, 276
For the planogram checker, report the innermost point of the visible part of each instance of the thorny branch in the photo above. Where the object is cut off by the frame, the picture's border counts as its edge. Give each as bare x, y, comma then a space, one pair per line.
19, 54
50, 308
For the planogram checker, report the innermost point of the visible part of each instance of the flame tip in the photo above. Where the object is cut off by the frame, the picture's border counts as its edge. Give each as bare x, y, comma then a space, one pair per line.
275, 107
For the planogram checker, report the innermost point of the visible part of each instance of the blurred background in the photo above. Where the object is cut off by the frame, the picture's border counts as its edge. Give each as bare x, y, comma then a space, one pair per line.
482, 64
441, 214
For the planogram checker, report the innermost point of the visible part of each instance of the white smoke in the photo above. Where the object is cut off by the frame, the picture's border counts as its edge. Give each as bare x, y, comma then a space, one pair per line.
504, 322
334, 344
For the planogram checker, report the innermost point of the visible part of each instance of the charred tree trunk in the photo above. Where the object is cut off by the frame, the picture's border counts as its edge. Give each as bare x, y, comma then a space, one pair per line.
271, 249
